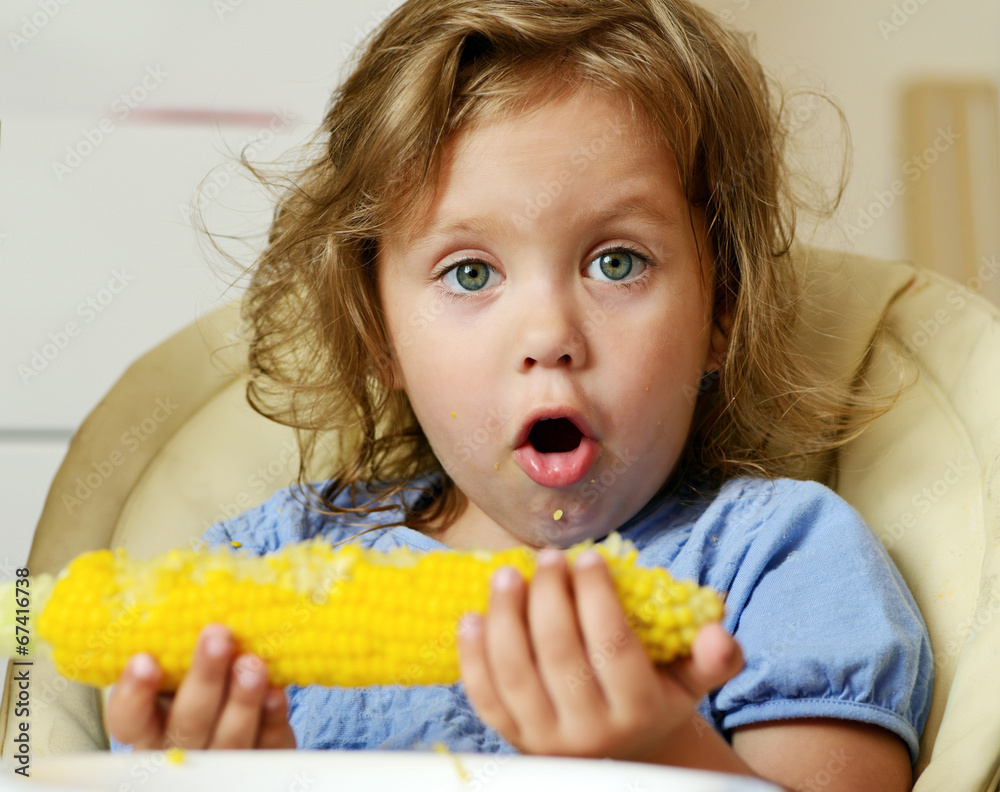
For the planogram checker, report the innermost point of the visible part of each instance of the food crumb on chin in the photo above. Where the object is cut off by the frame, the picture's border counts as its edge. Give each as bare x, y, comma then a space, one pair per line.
558, 514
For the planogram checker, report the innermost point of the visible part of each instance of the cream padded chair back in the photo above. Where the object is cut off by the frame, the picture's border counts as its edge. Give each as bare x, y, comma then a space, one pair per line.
925, 476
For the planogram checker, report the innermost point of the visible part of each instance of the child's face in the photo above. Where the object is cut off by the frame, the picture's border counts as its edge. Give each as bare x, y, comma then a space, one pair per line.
549, 313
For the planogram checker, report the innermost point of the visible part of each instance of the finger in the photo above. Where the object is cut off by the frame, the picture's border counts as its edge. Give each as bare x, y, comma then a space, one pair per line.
511, 658
620, 661
477, 680
715, 659
275, 730
559, 644
202, 692
133, 715
239, 721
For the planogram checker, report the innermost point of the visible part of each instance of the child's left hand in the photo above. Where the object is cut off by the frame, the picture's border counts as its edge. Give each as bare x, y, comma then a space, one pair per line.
556, 670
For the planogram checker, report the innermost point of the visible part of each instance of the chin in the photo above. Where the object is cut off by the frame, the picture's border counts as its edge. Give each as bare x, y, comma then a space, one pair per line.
561, 537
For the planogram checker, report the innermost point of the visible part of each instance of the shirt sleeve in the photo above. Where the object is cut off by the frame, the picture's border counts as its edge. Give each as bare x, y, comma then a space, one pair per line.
826, 623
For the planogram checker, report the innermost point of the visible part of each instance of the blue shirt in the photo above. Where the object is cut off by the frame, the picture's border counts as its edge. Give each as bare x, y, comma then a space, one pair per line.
827, 626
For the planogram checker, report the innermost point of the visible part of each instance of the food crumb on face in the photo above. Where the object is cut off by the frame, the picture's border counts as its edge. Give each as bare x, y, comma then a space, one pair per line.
557, 515
453, 415
496, 465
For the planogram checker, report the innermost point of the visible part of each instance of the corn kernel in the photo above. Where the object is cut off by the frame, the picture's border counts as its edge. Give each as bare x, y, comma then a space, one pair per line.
319, 615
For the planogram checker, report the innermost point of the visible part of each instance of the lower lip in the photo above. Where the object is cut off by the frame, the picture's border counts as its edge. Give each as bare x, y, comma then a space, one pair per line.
558, 469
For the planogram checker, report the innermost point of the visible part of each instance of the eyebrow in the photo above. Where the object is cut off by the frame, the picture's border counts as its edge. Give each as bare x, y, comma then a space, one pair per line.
631, 206
637, 206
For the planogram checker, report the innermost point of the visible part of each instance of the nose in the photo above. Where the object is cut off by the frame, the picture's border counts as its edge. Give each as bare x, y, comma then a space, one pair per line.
550, 331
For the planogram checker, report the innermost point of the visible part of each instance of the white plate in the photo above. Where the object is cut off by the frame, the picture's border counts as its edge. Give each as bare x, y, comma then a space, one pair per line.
354, 771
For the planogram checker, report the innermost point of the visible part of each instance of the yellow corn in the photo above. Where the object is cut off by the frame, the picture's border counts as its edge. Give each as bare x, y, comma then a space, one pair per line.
319, 615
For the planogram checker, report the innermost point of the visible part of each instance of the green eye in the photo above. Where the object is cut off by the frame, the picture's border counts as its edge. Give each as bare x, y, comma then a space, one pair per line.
472, 276
617, 264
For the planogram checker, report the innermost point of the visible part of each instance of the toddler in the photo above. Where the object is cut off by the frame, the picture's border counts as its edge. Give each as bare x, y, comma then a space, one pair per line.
536, 282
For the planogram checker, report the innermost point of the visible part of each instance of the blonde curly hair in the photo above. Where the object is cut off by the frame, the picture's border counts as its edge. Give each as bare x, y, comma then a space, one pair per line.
320, 354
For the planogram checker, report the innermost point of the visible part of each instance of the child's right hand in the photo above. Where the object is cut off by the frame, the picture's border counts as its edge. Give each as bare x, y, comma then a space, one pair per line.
223, 702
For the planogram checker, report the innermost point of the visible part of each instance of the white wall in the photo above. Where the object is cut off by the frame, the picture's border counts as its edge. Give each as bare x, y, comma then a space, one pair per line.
116, 216
864, 52
98, 260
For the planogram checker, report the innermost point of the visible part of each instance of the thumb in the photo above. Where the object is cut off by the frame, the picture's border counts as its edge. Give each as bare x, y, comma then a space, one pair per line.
715, 659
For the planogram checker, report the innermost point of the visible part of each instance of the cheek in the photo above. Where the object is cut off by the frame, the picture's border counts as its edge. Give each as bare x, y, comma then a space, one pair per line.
668, 353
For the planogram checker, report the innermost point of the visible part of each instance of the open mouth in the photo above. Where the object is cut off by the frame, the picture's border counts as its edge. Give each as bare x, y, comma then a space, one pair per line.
554, 435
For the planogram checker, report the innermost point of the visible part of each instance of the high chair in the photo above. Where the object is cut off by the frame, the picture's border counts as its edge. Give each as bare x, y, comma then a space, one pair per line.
926, 476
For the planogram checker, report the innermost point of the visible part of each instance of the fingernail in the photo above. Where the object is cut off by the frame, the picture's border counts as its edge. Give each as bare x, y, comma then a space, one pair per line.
506, 579
588, 559
274, 699
142, 666
549, 557
249, 671
470, 625
216, 643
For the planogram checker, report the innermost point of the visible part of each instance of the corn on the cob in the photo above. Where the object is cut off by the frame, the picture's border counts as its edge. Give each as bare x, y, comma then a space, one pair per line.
317, 615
